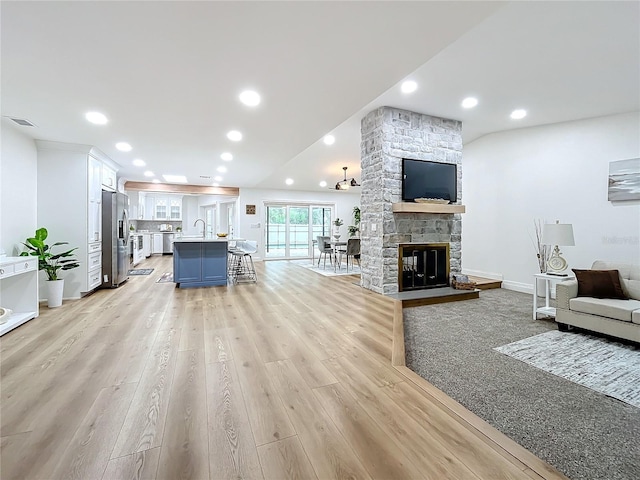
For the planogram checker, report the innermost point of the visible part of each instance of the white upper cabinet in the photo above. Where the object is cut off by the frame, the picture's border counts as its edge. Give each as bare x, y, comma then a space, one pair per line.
159, 206
142, 198
109, 180
175, 208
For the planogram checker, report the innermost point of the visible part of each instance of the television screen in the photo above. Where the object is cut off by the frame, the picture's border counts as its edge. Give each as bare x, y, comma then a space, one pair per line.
423, 179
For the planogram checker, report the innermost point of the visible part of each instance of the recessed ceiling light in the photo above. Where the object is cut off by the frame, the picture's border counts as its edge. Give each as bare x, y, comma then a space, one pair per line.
518, 114
226, 156
323, 184
155, 180
469, 102
96, 117
217, 178
123, 146
329, 139
138, 162
234, 136
409, 86
250, 98
175, 178
222, 169
215, 184
289, 181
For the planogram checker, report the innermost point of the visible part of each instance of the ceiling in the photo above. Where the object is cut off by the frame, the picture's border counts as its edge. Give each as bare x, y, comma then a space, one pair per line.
168, 75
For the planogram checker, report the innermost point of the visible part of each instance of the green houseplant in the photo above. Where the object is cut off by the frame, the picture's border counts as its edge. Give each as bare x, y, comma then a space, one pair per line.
51, 263
354, 229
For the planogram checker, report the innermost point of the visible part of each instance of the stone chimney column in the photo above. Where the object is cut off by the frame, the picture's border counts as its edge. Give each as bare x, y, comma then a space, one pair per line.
389, 135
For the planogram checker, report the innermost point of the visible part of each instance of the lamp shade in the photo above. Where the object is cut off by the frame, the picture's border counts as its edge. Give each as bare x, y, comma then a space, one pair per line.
560, 234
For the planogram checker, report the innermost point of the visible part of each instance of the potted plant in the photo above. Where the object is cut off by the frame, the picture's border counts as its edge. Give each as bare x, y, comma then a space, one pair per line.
51, 263
337, 223
354, 229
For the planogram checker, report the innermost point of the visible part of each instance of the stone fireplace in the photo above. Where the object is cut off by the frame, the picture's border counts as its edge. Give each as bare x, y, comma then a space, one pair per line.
423, 265
389, 135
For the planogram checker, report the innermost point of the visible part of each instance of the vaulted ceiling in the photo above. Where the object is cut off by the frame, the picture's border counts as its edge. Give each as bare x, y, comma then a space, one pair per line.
168, 74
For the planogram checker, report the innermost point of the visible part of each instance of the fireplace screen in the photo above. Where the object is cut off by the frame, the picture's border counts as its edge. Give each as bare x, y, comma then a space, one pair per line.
423, 266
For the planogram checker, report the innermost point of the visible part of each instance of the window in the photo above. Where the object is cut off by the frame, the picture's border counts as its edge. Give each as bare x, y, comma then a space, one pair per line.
291, 229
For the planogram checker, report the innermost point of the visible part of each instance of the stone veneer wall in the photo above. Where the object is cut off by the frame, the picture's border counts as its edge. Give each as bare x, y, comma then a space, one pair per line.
389, 135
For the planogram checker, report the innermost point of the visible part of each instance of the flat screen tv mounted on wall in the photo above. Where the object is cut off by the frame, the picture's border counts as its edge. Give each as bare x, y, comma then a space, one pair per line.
424, 179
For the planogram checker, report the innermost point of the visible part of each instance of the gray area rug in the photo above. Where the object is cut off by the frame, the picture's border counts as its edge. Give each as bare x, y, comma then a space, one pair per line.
166, 277
603, 365
583, 433
141, 271
329, 270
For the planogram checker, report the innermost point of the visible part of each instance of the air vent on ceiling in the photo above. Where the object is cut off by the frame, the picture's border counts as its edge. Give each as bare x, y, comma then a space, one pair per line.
22, 122
205, 176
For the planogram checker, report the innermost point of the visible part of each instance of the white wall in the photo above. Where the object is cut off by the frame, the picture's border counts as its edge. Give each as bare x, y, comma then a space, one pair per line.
553, 172
343, 201
190, 215
18, 188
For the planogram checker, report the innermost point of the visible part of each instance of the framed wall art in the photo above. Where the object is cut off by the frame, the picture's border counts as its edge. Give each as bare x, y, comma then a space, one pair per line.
624, 180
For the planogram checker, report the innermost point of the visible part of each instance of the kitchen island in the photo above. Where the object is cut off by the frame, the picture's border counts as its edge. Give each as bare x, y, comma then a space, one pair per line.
200, 262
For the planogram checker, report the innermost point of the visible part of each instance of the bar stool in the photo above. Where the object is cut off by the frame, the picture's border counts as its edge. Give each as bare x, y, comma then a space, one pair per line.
241, 268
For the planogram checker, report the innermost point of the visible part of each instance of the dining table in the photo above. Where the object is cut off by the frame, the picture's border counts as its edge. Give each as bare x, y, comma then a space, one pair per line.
335, 245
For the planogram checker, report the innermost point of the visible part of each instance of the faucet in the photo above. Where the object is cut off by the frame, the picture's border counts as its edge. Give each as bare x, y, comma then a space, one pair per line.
204, 226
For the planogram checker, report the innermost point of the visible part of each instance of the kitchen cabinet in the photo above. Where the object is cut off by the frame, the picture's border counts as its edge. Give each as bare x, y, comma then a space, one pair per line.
158, 240
175, 208
146, 244
142, 198
94, 229
18, 290
200, 263
109, 180
160, 207
136, 246
70, 182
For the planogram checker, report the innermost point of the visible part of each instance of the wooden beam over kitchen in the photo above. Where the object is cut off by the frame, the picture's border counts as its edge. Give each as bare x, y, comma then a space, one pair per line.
172, 188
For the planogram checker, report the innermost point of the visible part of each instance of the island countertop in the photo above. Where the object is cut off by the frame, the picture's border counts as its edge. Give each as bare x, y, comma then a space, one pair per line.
205, 240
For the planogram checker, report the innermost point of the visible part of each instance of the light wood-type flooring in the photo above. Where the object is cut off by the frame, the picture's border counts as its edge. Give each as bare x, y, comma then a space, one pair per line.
287, 378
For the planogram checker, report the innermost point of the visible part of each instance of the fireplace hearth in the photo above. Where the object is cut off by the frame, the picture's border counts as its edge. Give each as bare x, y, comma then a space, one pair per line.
422, 265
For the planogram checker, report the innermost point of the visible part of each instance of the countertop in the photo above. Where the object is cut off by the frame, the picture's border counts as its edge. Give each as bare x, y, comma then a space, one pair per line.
208, 239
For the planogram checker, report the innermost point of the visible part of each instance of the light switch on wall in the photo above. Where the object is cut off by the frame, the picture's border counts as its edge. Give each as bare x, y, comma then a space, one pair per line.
373, 227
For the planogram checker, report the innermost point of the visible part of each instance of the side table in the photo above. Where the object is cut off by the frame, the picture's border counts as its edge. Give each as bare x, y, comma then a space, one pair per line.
549, 280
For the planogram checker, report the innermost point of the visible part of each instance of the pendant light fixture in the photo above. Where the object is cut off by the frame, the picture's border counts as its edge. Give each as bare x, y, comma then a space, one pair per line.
345, 184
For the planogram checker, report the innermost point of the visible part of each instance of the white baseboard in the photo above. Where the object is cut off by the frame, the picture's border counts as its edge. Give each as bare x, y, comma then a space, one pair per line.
518, 287
479, 273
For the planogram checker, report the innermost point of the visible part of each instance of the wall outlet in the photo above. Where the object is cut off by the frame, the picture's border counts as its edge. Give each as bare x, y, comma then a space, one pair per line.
374, 227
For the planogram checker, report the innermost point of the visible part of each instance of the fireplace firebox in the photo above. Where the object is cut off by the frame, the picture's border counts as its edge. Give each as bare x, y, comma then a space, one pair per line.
422, 265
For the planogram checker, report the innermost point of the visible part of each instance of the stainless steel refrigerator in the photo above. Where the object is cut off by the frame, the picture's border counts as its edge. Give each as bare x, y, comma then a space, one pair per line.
115, 239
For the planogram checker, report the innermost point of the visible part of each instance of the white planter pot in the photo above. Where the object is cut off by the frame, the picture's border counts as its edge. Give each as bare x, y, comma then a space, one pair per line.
54, 293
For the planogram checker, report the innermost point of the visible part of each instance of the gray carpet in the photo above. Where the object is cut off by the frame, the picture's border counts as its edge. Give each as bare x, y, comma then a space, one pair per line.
583, 433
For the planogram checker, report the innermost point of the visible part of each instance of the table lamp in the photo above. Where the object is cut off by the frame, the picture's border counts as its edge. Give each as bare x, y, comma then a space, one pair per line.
559, 235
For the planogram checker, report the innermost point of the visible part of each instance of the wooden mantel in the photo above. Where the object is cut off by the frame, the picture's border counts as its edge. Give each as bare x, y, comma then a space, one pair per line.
410, 207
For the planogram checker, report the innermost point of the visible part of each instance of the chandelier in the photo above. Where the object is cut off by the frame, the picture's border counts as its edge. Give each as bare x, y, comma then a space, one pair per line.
345, 184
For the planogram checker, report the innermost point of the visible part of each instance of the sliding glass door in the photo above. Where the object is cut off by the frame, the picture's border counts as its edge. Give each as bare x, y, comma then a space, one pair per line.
292, 228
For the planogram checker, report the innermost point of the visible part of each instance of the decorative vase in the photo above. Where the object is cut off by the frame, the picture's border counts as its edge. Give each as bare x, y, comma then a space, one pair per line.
54, 293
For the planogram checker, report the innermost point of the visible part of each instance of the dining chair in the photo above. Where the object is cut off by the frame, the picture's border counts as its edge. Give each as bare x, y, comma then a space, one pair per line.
353, 251
325, 248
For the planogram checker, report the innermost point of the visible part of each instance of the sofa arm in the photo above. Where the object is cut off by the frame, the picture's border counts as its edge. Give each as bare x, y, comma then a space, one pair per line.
565, 291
